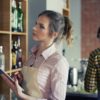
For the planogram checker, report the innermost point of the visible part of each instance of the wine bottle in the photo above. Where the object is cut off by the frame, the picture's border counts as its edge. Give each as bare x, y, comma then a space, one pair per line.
20, 62
14, 19
19, 58
2, 59
20, 17
14, 55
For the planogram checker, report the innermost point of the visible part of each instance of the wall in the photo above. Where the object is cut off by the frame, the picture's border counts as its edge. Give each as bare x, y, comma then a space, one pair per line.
74, 53
35, 7
90, 24
56, 5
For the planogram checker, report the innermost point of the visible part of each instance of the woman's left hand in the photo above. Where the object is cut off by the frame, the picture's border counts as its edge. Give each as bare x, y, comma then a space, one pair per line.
19, 90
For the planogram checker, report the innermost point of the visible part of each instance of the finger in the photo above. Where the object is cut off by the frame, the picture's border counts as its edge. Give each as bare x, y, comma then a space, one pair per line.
16, 73
16, 81
18, 86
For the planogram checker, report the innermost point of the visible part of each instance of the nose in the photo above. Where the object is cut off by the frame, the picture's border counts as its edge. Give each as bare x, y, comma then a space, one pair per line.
34, 28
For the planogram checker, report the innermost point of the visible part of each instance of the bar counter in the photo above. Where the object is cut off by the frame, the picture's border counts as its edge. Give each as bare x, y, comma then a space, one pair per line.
78, 93
80, 96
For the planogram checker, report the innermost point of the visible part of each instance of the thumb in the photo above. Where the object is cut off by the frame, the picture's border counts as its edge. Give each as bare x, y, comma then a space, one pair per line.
16, 81
17, 85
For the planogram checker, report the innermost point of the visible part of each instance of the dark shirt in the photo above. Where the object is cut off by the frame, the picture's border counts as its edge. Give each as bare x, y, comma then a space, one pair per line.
92, 78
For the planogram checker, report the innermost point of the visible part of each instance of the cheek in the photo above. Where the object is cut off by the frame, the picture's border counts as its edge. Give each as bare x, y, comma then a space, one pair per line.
43, 35
40, 35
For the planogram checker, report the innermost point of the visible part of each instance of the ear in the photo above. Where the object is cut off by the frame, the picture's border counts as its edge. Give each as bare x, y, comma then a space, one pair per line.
55, 34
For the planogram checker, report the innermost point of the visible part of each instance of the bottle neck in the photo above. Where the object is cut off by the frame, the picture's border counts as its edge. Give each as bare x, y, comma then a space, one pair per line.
14, 3
20, 5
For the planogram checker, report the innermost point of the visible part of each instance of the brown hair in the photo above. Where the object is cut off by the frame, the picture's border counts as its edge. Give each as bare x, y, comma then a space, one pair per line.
68, 30
60, 24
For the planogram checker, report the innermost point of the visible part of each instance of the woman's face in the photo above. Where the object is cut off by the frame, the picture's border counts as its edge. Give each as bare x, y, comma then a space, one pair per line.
41, 29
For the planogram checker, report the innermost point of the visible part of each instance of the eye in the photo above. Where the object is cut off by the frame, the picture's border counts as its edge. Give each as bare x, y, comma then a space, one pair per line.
41, 26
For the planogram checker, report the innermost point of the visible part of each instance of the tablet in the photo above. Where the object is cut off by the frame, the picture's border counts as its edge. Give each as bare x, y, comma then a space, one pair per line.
7, 79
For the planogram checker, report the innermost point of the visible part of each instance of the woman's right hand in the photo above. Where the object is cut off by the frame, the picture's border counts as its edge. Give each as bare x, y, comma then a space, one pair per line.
19, 76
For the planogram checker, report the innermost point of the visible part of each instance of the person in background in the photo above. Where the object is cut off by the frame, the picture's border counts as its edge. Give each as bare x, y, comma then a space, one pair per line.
92, 77
44, 75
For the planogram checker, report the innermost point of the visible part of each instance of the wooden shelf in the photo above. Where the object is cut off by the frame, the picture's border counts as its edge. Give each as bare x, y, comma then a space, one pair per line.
13, 70
4, 32
18, 33
66, 11
7, 37
13, 33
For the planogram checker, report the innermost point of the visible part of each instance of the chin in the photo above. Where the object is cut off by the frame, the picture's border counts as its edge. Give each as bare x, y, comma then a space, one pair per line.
34, 37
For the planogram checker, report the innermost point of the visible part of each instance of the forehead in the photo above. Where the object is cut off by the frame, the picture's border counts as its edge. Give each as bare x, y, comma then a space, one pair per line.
43, 20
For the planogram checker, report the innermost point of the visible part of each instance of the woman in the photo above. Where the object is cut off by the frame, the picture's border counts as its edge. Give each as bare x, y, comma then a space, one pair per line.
45, 73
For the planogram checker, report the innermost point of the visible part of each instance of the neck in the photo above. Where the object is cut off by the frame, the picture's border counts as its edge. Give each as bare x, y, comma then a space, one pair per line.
43, 46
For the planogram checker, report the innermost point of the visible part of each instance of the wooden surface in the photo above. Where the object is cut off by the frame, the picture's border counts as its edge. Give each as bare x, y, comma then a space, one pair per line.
6, 37
66, 10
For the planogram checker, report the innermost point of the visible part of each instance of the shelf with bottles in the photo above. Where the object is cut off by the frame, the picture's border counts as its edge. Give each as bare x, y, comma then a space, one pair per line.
4, 42
18, 16
18, 51
24, 10
6, 15
7, 36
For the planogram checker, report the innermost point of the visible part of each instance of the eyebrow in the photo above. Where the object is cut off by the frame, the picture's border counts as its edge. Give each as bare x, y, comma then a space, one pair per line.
39, 23
45, 26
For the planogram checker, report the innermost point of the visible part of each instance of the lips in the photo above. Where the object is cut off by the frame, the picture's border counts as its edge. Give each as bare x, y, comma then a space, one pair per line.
34, 33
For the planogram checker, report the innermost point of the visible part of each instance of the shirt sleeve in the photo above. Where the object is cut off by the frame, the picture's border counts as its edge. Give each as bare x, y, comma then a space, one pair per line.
90, 77
59, 77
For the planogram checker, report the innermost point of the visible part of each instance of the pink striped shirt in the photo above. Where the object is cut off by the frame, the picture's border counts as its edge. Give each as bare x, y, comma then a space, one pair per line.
53, 73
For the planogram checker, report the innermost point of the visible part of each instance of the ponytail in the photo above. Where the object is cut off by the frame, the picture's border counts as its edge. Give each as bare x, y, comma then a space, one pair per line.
68, 30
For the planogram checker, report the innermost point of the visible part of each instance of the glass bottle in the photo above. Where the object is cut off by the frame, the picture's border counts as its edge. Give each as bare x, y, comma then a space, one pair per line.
20, 62
18, 42
2, 59
14, 19
20, 17
14, 55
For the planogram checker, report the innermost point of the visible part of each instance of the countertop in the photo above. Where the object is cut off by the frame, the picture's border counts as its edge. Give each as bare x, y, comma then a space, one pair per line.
74, 93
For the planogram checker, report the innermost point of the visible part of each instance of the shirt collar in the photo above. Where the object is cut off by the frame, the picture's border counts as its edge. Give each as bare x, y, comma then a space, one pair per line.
49, 51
